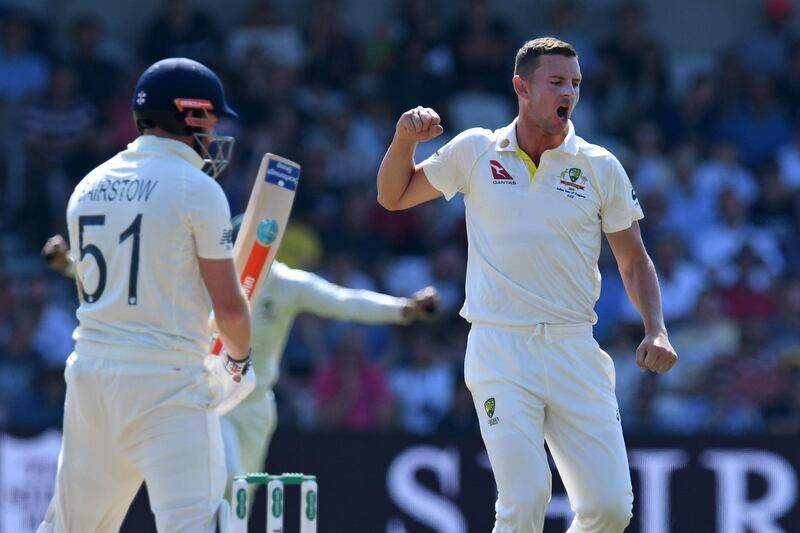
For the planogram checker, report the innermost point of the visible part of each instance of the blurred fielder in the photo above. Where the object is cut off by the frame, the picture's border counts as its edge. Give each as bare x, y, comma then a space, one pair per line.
248, 429
537, 198
151, 237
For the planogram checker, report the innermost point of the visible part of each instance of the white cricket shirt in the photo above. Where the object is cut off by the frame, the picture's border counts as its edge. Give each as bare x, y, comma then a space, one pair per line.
534, 239
137, 224
288, 292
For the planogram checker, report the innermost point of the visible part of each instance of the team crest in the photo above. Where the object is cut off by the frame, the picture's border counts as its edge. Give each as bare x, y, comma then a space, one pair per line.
572, 181
489, 406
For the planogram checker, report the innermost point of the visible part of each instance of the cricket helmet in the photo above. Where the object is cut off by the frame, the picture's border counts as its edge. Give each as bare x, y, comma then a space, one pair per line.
177, 95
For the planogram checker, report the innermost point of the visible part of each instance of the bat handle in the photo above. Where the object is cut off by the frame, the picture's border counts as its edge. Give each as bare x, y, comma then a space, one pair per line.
217, 347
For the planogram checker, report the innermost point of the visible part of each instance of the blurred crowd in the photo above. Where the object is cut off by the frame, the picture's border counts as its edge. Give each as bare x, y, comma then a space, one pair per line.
712, 147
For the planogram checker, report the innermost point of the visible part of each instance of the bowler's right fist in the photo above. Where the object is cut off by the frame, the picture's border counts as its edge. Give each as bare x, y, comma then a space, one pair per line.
419, 124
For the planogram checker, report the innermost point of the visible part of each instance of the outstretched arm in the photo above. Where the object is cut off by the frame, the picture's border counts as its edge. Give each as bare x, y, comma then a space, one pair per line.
401, 183
315, 295
655, 353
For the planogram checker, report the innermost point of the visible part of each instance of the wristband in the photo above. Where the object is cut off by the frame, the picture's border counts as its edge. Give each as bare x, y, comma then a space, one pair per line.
238, 366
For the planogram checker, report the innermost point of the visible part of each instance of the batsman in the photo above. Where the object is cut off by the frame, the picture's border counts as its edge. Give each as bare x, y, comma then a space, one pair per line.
151, 242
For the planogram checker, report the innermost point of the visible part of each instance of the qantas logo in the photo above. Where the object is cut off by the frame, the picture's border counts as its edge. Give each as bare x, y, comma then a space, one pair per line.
500, 174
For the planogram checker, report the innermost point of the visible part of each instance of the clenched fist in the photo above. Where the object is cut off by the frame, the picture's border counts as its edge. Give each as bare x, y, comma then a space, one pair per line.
419, 125
423, 305
55, 252
656, 354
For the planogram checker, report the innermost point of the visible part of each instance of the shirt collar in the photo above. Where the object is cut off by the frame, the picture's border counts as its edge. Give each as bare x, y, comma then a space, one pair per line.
153, 143
507, 140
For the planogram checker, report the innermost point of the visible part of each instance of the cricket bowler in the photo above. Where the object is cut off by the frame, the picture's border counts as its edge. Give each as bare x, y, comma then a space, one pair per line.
537, 198
151, 240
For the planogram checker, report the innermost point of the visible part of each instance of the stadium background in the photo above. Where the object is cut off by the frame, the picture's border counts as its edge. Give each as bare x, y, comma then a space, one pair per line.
701, 102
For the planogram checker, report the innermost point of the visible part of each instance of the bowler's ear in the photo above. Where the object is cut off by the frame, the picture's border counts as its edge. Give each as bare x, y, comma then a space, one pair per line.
520, 86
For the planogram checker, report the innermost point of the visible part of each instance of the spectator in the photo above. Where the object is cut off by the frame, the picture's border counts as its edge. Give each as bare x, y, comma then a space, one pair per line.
768, 51
786, 329
757, 370
772, 209
656, 223
703, 339
715, 406
695, 115
23, 72
353, 148
52, 334
264, 31
731, 83
721, 409
413, 76
783, 414
333, 58
91, 63
181, 30
724, 170
716, 246
689, 207
788, 155
60, 148
788, 85
461, 417
653, 171
681, 282
350, 391
448, 266
481, 44
262, 88
354, 233
791, 252
422, 386
19, 366
43, 400
58, 128
748, 287
630, 68
757, 126
566, 17
121, 128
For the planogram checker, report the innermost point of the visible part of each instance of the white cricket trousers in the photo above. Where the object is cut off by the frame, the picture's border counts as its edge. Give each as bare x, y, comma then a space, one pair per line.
247, 431
553, 384
125, 422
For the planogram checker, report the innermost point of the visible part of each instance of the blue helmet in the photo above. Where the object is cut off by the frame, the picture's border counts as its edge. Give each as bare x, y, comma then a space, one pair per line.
177, 94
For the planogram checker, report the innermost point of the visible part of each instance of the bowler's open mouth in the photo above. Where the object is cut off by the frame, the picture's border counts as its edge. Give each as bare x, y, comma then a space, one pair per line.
562, 112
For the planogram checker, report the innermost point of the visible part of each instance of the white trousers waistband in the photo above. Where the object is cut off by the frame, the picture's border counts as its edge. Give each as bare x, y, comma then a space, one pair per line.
546, 331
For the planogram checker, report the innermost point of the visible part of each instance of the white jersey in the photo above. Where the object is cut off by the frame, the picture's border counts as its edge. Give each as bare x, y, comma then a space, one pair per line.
288, 292
534, 237
137, 224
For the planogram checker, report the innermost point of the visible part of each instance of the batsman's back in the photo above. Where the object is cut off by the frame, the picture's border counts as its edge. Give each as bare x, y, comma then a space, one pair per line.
137, 224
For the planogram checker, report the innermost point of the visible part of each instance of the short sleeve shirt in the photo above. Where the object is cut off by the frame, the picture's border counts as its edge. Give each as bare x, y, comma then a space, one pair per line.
534, 240
137, 225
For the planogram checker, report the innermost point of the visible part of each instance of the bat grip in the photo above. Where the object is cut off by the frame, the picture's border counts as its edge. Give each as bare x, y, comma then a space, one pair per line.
217, 347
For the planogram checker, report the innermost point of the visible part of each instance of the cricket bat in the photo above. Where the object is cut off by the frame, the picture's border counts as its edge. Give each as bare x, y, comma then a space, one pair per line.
264, 224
